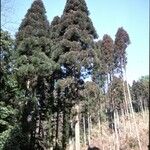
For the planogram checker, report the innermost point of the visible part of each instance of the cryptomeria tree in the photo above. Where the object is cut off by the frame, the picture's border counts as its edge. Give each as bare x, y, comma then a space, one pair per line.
110, 62
99, 74
34, 71
107, 52
104, 62
74, 32
122, 40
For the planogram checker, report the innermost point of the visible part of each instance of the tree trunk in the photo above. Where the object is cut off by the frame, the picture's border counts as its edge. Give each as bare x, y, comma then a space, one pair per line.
71, 144
84, 131
116, 131
123, 120
91, 125
64, 130
49, 133
132, 111
125, 99
142, 110
77, 129
57, 129
71, 138
99, 123
118, 122
89, 136
28, 84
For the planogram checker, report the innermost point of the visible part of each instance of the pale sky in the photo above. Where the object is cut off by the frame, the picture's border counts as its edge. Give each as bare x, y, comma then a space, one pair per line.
107, 17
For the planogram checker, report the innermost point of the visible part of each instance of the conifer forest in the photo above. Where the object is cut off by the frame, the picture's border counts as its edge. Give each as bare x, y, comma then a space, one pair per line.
46, 102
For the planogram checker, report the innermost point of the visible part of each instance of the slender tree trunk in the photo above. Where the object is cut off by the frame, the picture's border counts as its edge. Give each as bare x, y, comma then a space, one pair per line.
51, 148
57, 129
34, 115
128, 113
123, 121
77, 129
48, 133
125, 99
71, 144
53, 127
99, 124
101, 128
118, 123
91, 125
71, 139
132, 111
84, 131
64, 130
142, 110
28, 85
99, 117
116, 131
89, 136
114, 142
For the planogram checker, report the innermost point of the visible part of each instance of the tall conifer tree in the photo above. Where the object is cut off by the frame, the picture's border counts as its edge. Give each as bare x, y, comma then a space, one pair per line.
74, 34
34, 70
122, 40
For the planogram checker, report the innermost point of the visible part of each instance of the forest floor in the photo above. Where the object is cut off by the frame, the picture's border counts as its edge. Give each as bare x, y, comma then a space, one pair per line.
127, 136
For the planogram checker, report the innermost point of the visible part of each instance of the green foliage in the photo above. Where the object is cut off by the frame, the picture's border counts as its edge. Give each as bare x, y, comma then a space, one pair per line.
68, 91
93, 100
16, 140
9, 91
33, 46
6, 116
3, 138
107, 52
140, 93
74, 5
122, 40
34, 24
6, 45
75, 32
6, 51
116, 90
34, 72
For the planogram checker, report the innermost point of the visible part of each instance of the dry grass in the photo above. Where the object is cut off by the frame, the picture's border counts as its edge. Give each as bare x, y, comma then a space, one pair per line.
127, 136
